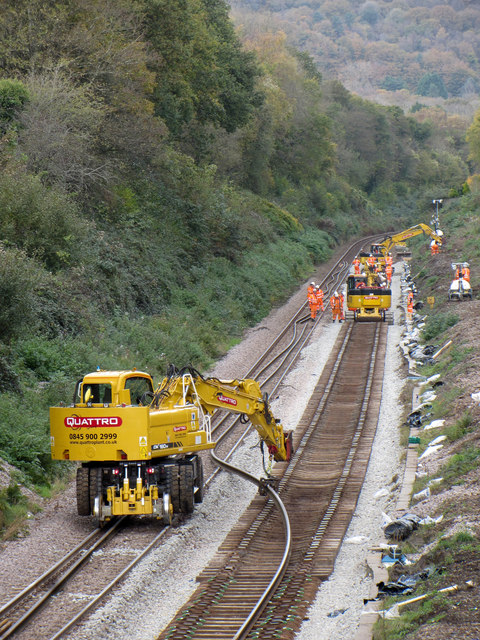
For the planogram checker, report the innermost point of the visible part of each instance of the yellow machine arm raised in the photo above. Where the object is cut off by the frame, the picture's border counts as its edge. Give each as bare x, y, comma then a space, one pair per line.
244, 397
139, 447
386, 245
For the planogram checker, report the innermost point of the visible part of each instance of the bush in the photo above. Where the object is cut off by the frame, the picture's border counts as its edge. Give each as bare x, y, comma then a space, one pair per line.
45, 223
13, 96
437, 324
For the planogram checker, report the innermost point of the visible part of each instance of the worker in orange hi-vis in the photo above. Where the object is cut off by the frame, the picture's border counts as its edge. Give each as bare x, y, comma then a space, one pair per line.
310, 288
313, 304
434, 248
410, 297
371, 261
342, 300
466, 274
389, 259
356, 266
388, 272
336, 306
319, 294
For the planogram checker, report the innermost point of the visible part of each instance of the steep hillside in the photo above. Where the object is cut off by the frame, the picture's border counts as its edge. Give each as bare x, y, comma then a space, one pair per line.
393, 51
164, 185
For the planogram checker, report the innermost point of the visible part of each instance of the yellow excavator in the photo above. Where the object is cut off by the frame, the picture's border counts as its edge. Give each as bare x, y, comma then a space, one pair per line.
139, 446
369, 298
385, 246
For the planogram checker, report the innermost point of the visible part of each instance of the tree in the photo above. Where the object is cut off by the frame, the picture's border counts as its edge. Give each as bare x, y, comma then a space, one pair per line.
370, 12
202, 72
473, 139
431, 84
60, 125
13, 96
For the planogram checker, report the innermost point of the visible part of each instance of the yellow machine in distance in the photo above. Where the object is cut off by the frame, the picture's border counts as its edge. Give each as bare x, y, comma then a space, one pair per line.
139, 446
382, 248
369, 298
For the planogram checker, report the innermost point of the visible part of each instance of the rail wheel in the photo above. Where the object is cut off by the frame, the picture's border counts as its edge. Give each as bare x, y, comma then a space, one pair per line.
186, 488
167, 509
200, 490
83, 491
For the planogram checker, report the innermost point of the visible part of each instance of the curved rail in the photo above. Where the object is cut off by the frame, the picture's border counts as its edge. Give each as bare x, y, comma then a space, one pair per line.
308, 534
331, 281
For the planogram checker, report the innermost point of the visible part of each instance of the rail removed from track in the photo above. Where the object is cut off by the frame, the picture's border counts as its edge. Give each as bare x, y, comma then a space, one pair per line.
319, 490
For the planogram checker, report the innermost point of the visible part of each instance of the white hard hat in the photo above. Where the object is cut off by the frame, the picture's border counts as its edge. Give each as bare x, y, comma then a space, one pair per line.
336, 293
312, 284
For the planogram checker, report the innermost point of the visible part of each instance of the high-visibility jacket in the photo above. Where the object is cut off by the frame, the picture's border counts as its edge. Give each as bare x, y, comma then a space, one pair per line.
388, 260
356, 266
336, 305
388, 272
371, 261
434, 248
313, 303
466, 274
319, 295
310, 289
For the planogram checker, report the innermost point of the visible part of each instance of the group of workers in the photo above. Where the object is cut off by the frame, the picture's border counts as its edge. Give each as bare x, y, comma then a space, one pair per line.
315, 302
375, 266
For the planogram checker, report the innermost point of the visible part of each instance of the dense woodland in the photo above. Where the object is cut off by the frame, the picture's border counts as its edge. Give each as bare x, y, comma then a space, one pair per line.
164, 184
428, 49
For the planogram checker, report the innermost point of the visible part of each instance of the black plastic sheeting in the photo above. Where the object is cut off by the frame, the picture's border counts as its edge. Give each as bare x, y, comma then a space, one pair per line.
403, 586
402, 528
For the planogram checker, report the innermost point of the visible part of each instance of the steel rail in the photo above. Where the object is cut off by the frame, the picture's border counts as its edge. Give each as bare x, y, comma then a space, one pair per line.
36, 583
24, 619
335, 277
109, 586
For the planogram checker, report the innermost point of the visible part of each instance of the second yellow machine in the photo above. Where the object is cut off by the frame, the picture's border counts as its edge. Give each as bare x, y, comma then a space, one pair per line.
139, 446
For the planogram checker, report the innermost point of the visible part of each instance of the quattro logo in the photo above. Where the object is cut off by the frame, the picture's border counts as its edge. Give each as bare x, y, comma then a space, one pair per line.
177, 429
79, 422
227, 400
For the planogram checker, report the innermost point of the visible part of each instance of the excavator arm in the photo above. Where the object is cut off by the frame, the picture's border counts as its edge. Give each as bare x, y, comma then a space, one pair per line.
241, 396
387, 244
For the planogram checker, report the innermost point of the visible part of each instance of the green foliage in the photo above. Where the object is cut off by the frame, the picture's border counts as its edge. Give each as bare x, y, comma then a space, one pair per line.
166, 186
438, 323
473, 138
459, 465
13, 96
202, 72
44, 223
431, 84
24, 436
394, 83
418, 106
430, 610
12, 505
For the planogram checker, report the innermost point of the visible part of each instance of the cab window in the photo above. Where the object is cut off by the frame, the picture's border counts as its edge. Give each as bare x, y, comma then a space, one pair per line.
138, 386
97, 393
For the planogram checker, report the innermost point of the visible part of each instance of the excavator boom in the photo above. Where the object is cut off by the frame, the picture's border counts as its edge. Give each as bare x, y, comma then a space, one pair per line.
386, 245
139, 447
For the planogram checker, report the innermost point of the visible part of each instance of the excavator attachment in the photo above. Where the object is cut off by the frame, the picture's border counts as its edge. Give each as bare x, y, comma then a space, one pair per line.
139, 446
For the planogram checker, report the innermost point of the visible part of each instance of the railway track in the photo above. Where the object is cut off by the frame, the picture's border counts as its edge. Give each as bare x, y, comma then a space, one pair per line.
270, 369
319, 490
78, 581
